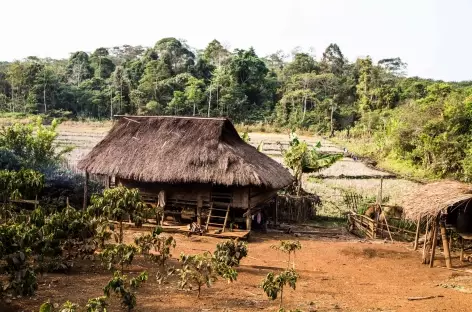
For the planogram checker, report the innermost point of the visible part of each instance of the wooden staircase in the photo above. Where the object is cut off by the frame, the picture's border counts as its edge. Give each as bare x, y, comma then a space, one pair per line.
215, 220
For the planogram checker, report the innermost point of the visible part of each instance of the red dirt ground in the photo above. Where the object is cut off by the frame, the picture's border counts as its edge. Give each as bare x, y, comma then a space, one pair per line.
335, 275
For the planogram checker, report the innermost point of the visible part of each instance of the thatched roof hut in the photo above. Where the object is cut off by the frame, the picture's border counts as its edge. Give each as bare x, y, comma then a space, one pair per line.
431, 199
438, 207
166, 149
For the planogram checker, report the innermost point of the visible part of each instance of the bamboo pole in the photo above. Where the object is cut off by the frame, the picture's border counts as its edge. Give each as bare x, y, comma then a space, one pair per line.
435, 241
447, 254
417, 235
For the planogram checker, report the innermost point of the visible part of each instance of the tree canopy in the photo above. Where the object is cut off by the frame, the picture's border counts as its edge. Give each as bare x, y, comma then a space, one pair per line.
327, 93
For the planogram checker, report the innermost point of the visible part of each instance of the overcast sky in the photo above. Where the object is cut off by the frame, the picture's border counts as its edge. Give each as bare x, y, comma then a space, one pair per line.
432, 36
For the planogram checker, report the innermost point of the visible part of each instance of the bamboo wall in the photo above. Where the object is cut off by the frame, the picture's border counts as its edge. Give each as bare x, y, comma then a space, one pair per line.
292, 209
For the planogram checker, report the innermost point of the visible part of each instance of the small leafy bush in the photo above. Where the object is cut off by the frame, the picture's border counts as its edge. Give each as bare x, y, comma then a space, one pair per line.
163, 245
118, 285
196, 271
274, 284
117, 255
230, 252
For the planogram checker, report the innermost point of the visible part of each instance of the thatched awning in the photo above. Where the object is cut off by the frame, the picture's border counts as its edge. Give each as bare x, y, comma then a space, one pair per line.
430, 199
168, 149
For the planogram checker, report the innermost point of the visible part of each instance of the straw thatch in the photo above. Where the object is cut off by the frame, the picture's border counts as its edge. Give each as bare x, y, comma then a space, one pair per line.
169, 149
430, 199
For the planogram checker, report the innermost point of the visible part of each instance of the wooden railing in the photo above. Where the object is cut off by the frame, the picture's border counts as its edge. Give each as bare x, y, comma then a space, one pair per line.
364, 226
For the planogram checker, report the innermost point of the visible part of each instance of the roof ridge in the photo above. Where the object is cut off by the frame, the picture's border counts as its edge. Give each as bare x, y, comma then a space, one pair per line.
171, 116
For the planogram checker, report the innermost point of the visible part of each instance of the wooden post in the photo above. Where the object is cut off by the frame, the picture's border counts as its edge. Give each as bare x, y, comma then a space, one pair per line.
450, 241
447, 254
248, 213
86, 189
435, 241
462, 249
276, 210
199, 210
426, 243
417, 235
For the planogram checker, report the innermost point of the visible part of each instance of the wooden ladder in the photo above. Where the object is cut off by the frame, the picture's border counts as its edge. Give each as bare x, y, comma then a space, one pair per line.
214, 223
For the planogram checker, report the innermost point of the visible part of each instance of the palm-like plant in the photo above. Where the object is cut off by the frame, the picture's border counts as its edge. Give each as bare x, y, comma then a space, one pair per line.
302, 159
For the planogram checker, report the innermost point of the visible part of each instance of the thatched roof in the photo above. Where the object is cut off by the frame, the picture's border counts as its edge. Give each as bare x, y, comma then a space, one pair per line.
169, 149
430, 199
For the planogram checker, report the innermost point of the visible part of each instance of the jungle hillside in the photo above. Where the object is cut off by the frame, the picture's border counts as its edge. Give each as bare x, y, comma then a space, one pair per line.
372, 107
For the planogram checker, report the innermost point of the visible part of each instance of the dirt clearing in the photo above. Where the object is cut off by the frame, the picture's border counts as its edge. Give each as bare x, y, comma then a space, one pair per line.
335, 275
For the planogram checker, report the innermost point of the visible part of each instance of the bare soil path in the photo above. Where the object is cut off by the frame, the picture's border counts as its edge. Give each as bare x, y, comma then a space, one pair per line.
335, 275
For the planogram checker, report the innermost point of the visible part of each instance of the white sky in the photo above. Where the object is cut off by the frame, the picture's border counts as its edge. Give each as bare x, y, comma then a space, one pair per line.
432, 36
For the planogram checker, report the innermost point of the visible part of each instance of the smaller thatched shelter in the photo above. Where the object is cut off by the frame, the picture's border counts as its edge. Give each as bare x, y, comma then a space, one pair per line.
444, 204
434, 198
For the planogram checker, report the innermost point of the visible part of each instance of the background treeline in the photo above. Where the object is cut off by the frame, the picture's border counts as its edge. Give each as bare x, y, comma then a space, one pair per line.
422, 122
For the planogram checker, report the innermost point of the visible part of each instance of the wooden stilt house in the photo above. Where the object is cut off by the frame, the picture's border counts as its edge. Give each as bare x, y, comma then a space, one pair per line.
186, 162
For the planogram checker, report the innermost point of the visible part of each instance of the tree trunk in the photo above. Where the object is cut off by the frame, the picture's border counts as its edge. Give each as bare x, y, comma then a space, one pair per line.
304, 107
217, 95
332, 126
111, 105
44, 94
209, 103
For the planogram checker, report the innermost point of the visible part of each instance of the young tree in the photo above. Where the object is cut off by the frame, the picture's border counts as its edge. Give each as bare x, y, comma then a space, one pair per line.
120, 204
274, 284
288, 247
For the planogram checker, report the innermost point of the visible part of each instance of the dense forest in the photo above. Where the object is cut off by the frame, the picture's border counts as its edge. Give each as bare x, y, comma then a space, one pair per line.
424, 122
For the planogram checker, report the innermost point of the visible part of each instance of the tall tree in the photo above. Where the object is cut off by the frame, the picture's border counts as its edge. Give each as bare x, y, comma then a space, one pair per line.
78, 68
